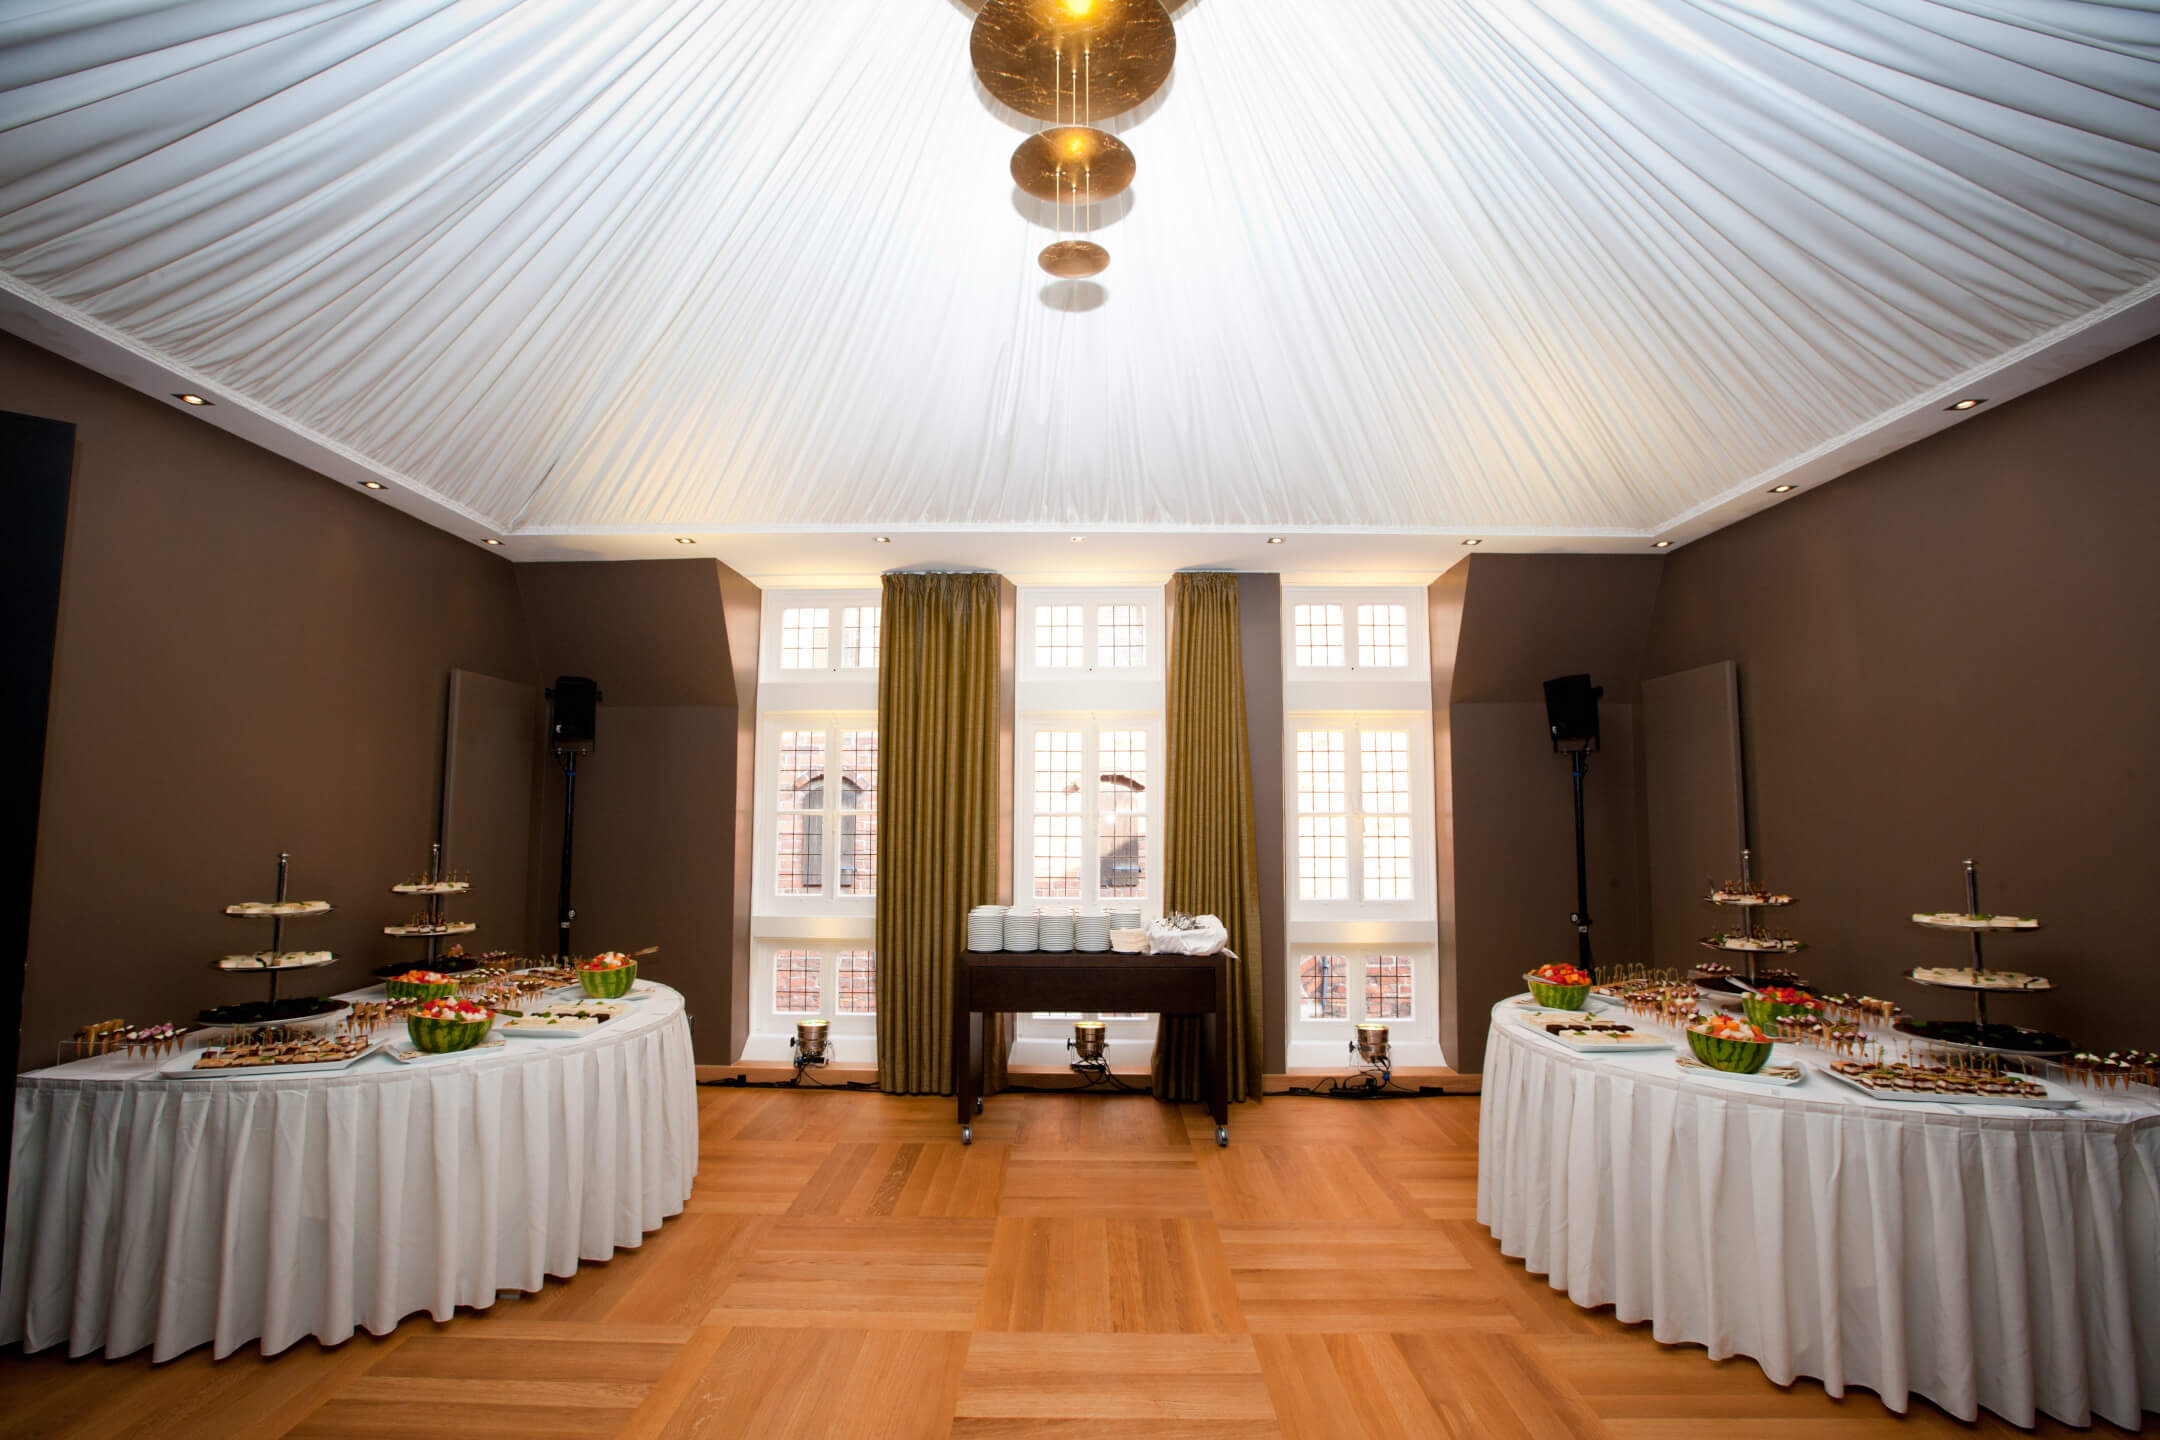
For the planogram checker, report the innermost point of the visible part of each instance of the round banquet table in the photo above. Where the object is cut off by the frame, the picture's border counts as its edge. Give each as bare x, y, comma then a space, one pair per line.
2006, 1259
166, 1212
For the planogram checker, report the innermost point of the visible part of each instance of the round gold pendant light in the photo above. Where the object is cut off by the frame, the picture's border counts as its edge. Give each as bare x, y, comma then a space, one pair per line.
1020, 45
1073, 165
1074, 259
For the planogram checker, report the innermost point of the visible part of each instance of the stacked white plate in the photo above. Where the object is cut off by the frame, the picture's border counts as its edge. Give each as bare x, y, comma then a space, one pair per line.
1020, 930
1057, 929
986, 928
1123, 917
1091, 933
1129, 942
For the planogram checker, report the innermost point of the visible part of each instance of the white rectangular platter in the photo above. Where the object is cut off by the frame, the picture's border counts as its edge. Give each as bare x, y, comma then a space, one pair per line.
182, 1065
1537, 1020
2057, 1098
1769, 1077
406, 1053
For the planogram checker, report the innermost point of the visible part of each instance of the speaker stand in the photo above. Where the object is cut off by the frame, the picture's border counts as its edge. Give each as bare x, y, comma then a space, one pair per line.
565, 912
1581, 917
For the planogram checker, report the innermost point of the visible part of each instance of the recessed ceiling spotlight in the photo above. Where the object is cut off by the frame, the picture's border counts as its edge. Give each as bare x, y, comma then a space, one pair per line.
188, 399
684, 540
373, 485
883, 539
1274, 539
1473, 542
1966, 405
1781, 489
491, 541
1661, 545
1079, 539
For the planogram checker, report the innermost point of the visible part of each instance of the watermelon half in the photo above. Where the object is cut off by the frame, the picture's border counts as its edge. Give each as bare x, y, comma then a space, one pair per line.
415, 990
1557, 997
608, 984
1741, 1057
441, 1037
1764, 1014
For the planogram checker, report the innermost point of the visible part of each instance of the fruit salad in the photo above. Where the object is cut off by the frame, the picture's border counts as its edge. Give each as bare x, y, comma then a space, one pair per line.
1560, 975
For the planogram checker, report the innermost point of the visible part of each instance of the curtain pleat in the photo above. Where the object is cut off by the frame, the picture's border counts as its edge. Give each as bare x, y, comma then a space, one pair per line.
937, 797
1212, 865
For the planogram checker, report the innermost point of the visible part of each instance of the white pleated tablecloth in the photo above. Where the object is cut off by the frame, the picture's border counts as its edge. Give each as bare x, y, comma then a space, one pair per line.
1999, 1259
171, 1213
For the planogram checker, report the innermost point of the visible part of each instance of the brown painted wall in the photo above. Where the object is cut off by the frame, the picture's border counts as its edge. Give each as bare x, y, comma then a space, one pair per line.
1526, 619
251, 658
1260, 644
1955, 652
659, 802
1444, 612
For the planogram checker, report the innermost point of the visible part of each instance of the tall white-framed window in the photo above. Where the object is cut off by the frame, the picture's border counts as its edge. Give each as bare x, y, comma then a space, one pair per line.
1087, 800
1361, 833
820, 636
817, 817
1334, 633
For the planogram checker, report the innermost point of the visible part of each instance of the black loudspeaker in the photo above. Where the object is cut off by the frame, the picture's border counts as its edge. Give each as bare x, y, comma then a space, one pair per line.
1571, 710
574, 714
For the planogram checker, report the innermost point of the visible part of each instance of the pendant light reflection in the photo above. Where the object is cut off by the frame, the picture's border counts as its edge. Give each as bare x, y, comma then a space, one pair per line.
1073, 164
1074, 259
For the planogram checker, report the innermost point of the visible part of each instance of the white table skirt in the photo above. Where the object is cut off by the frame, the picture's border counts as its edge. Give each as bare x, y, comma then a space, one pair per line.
173, 1213
2001, 1259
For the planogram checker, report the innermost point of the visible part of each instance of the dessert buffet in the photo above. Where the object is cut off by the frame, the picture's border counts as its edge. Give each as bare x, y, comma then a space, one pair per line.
1881, 1173
391, 1128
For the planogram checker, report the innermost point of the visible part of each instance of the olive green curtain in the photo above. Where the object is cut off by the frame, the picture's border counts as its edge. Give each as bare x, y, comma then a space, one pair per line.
937, 817
1213, 862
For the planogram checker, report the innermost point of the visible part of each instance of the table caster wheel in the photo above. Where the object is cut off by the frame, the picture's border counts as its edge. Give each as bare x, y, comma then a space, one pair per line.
1222, 1136
978, 1105
967, 1134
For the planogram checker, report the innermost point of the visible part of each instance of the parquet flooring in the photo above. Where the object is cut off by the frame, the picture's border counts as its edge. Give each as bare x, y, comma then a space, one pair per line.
1092, 1266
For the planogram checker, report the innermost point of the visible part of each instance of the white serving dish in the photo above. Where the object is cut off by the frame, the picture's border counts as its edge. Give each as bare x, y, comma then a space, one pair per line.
2057, 1098
182, 1066
1769, 1077
405, 1052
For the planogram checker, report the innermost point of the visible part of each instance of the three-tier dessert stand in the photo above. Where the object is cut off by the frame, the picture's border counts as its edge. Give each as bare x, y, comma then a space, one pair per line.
436, 885
1749, 899
1982, 982
277, 959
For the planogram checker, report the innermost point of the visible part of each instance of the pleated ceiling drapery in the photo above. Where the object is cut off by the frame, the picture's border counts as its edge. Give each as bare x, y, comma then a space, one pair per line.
937, 817
1571, 266
1212, 865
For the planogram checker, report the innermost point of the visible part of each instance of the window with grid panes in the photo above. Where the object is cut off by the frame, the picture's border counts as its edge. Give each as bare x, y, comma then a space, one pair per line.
1089, 825
1383, 636
1323, 847
1121, 636
1323, 987
1317, 634
1061, 639
825, 822
857, 983
805, 638
859, 637
798, 982
1388, 987
1356, 837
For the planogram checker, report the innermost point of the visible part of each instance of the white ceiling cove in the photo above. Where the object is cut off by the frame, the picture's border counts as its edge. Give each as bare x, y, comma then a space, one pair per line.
1532, 268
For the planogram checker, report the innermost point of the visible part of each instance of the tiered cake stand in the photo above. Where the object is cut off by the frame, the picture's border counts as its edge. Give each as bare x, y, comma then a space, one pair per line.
435, 886
275, 961
1750, 900
1981, 982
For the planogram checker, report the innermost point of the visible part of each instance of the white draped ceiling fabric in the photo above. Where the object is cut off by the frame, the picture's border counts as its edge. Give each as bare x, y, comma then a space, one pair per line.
1576, 266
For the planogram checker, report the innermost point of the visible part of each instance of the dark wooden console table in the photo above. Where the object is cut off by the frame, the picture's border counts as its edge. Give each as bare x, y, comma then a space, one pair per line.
1003, 982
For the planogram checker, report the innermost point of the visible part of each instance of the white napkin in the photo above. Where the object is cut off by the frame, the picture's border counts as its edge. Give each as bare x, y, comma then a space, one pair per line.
1207, 936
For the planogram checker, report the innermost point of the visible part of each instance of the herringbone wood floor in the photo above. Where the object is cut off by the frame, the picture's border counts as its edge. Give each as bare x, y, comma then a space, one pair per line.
1092, 1266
